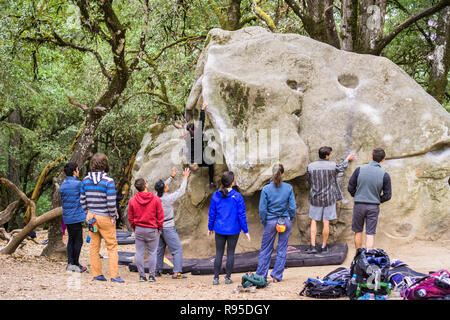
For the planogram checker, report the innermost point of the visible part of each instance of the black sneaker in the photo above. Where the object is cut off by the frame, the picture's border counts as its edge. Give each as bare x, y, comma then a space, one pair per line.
324, 250
311, 250
142, 279
212, 185
151, 279
157, 274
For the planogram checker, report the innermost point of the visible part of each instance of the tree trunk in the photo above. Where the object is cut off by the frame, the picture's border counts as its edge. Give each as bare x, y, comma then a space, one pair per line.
371, 24
21, 235
234, 14
318, 20
330, 24
81, 149
441, 57
14, 167
349, 24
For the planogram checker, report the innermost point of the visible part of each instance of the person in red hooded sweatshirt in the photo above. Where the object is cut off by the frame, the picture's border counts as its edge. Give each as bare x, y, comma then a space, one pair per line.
146, 217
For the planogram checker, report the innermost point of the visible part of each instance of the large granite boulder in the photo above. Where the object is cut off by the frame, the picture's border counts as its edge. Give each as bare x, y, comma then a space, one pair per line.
279, 98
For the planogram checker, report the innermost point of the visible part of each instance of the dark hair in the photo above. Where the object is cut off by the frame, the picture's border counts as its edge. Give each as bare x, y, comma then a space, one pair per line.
227, 181
139, 184
324, 152
277, 171
70, 168
99, 162
378, 154
159, 187
190, 126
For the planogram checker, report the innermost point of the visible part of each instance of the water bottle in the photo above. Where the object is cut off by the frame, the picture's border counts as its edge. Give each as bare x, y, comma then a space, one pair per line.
88, 238
420, 293
353, 279
352, 289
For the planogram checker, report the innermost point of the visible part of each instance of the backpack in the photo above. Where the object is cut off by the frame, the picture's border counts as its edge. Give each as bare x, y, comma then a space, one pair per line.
333, 285
435, 285
401, 276
252, 279
369, 272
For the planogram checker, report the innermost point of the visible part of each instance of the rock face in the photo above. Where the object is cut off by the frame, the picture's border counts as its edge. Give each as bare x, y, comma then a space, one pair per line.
279, 98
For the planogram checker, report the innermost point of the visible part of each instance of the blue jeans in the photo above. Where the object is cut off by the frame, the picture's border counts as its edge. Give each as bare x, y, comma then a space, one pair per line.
267, 242
169, 237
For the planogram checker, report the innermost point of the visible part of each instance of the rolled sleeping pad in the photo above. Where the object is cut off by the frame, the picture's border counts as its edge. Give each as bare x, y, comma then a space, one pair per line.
188, 264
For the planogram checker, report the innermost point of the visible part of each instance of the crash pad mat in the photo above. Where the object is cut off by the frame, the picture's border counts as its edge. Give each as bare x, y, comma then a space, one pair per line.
248, 261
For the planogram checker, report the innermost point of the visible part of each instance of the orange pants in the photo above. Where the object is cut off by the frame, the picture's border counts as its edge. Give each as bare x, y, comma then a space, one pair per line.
107, 231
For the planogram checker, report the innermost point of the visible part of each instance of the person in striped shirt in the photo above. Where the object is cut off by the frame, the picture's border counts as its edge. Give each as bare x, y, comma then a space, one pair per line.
98, 199
324, 193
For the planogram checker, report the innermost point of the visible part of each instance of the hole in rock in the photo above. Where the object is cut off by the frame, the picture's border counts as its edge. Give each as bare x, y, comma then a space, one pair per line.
348, 80
295, 86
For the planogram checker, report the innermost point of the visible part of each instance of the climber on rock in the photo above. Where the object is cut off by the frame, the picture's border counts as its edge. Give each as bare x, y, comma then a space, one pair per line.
195, 154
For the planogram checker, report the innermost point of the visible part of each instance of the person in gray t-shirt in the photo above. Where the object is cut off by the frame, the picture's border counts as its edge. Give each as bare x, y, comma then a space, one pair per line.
169, 236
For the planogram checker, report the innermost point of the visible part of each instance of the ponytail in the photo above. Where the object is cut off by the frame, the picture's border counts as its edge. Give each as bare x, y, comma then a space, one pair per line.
227, 181
277, 171
159, 187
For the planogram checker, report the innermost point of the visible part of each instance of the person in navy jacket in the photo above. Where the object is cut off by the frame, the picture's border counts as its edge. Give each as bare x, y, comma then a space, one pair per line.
73, 215
226, 218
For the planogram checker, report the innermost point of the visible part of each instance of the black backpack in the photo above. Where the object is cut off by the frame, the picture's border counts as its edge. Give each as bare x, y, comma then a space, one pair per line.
333, 285
369, 273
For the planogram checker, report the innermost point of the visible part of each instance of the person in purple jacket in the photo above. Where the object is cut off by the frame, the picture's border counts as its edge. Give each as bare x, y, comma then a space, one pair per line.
226, 218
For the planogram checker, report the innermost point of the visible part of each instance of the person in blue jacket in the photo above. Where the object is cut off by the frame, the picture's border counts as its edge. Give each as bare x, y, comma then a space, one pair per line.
276, 206
226, 218
73, 216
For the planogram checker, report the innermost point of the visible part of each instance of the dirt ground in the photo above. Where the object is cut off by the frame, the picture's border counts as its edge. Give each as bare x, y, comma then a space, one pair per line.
27, 276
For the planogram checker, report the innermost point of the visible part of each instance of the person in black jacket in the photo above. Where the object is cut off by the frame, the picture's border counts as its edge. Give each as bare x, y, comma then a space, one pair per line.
195, 147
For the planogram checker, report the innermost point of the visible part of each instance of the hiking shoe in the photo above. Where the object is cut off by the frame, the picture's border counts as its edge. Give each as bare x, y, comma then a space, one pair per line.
275, 280
311, 250
151, 279
70, 267
79, 268
100, 278
142, 279
213, 185
82, 268
118, 279
228, 280
179, 275
216, 281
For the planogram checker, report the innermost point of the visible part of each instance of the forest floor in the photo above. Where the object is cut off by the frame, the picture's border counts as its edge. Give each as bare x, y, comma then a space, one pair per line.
25, 275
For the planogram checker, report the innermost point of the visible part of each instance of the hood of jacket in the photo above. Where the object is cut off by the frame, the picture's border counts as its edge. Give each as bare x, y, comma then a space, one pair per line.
144, 198
96, 176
